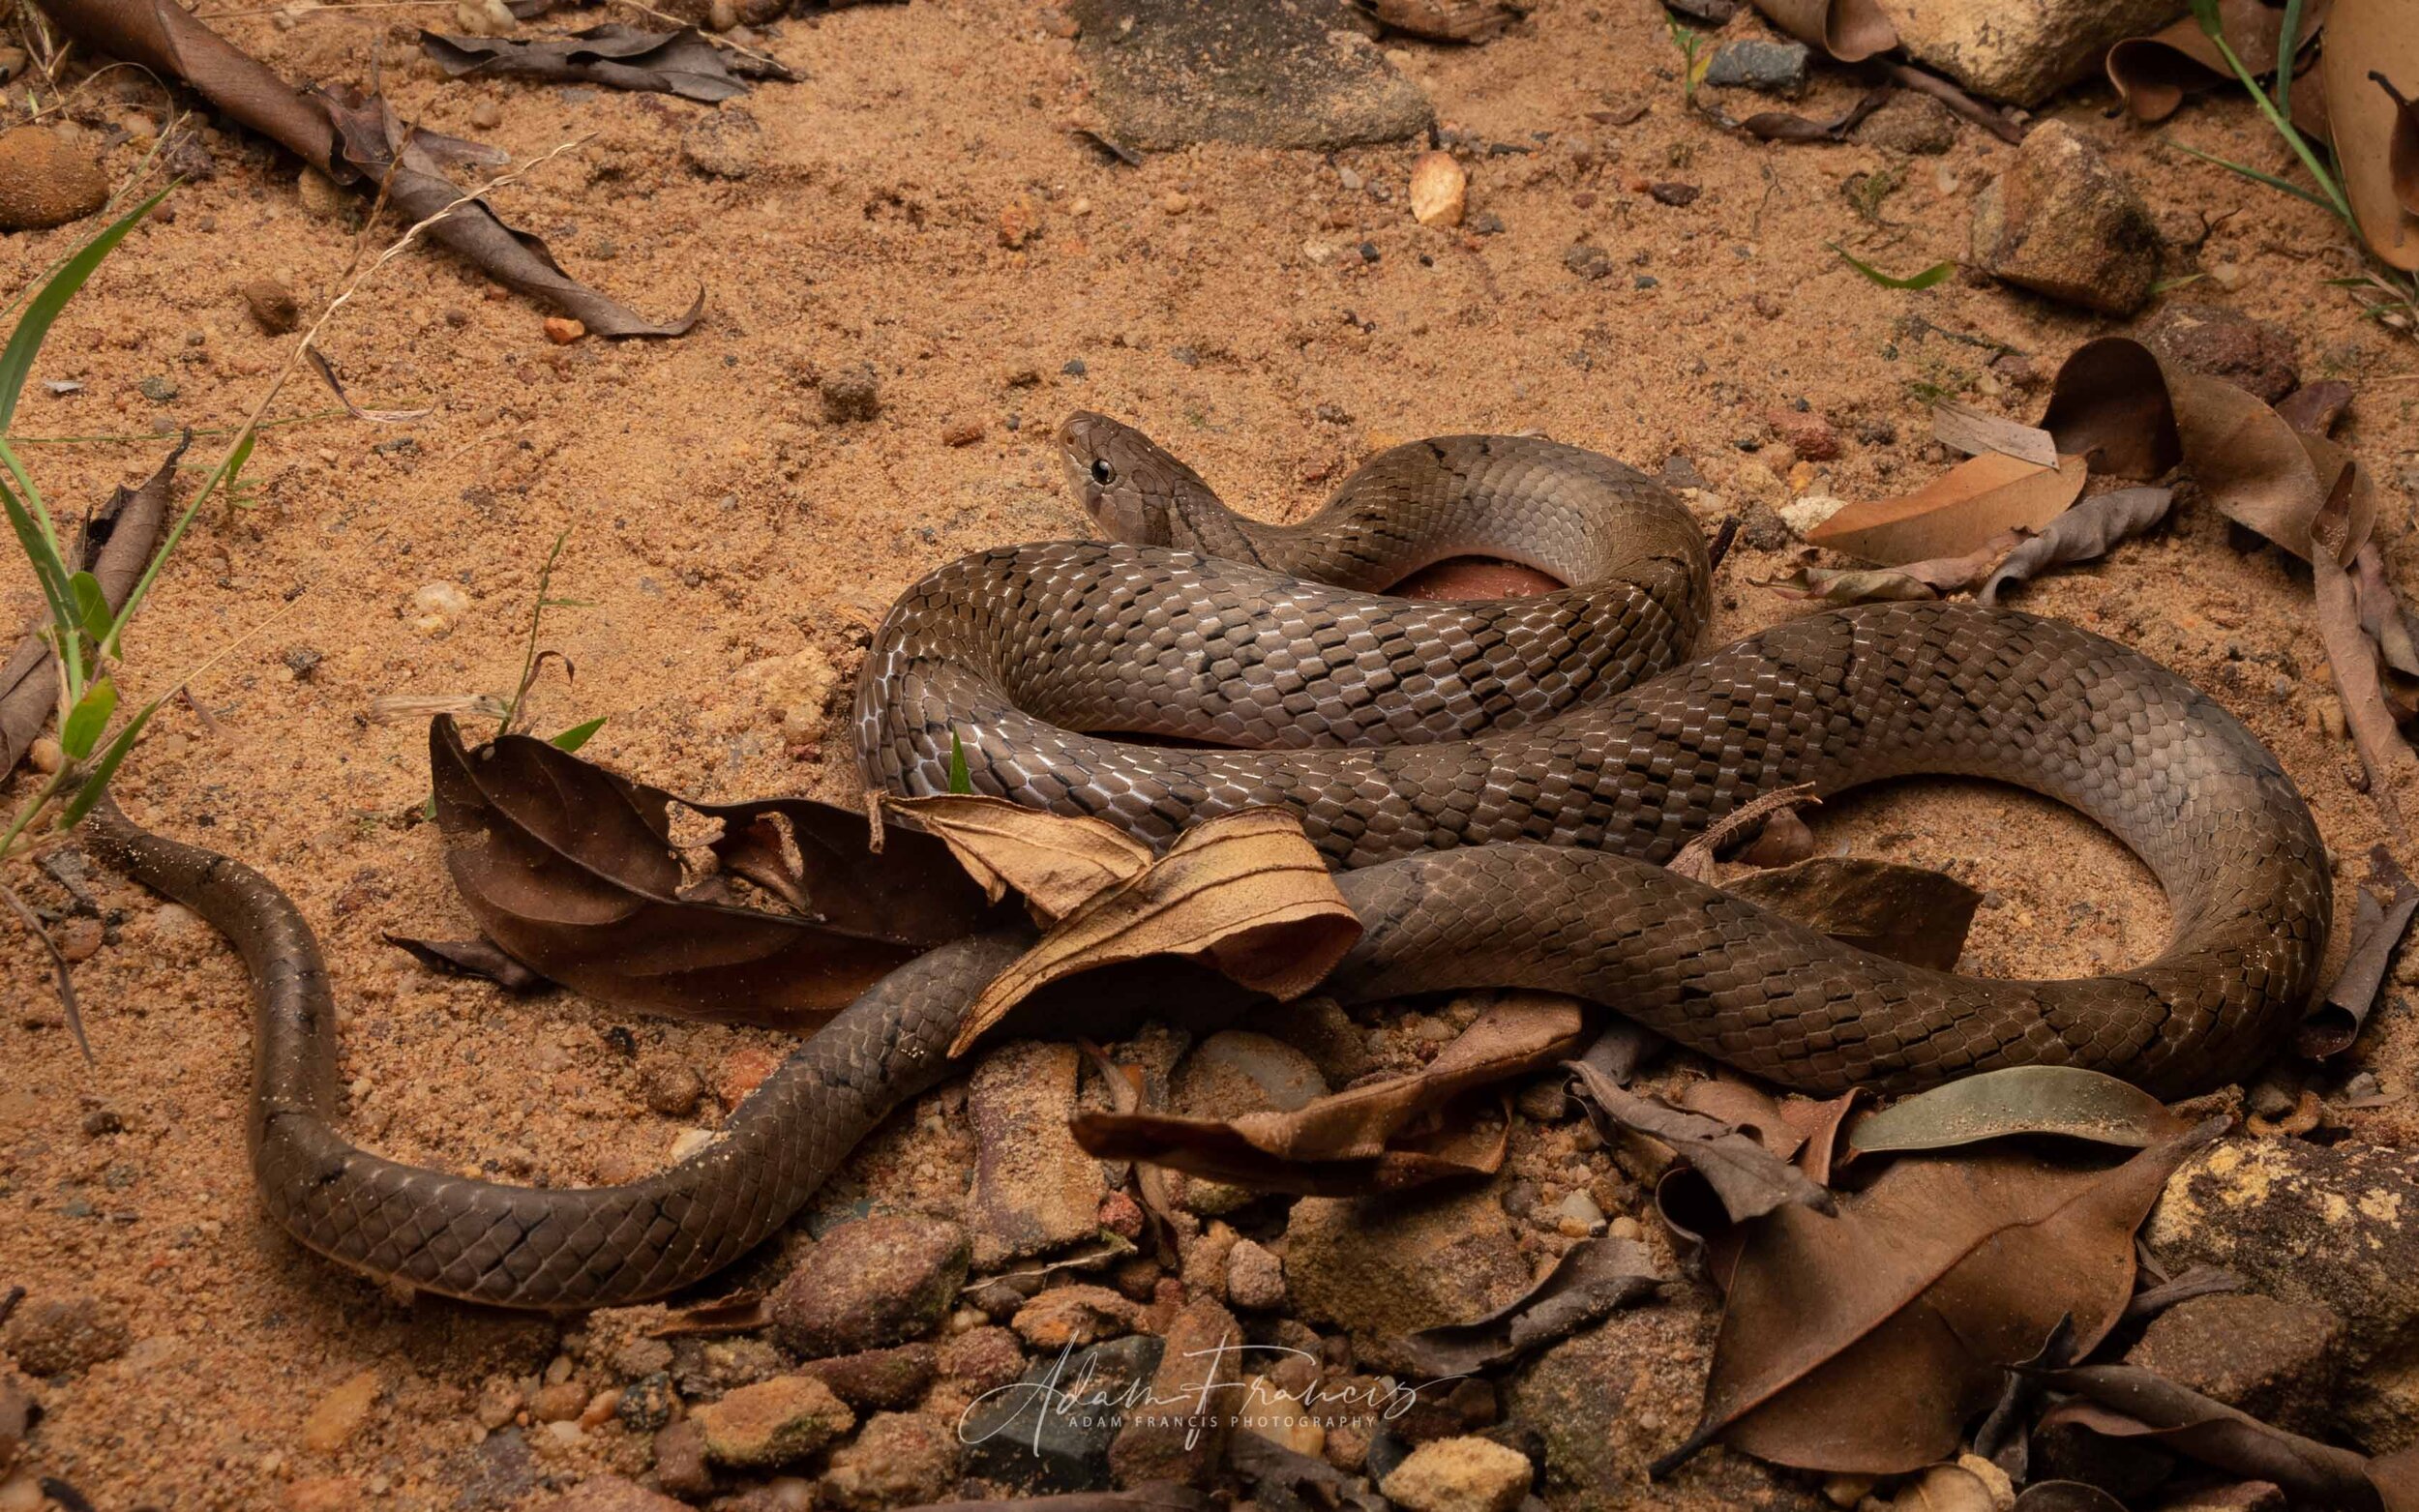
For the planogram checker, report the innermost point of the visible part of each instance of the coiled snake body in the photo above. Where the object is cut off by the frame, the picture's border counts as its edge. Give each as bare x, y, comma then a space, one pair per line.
1496, 792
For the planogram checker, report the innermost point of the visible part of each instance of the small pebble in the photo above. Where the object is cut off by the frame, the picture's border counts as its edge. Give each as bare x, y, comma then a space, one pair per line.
1439, 190
562, 330
486, 115
961, 433
47, 181
1175, 202
669, 1086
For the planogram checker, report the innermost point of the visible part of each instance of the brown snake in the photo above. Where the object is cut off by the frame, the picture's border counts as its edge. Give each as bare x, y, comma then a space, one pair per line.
1427, 748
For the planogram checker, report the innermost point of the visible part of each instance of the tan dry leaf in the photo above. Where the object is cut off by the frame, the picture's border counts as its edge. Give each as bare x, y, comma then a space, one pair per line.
1961, 428
2371, 66
1057, 861
1849, 30
1957, 512
2153, 74
1247, 890
1927, 579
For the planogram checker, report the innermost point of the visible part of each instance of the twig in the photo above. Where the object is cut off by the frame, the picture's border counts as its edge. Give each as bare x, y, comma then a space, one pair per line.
63, 979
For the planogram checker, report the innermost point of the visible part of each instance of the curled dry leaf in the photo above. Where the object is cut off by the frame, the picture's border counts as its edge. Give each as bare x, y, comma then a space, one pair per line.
2384, 755
2316, 407
351, 138
2199, 1281
1849, 30
1957, 512
1695, 860
1284, 1480
474, 958
1058, 862
1247, 890
2381, 617
2085, 533
2153, 74
2065, 1496
1863, 1344
571, 870
2129, 1401
679, 63
1961, 428
1906, 912
2371, 70
1593, 1278
1382, 1136
1927, 579
115, 547
1779, 126
2062, 1100
1750, 1179
2381, 917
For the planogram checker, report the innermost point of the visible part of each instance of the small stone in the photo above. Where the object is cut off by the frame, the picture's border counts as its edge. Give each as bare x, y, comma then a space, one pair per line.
12, 62
1577, 1216
1459, 1475
499, 1402
878, 1379
1255, 1278
1019, 221
61, 1337
1439, 190
319, 194
850, 394
1074, 368
1184, 1440
1673, 192
871, 1284
436, 606
2207, 339
680, 1460
647, 1403
16, 1417
1761, 529
742, 1070
612, 1494
2022, 51
725, 143
1076, 1315
901, 1459
334, 1418
560, 1403
158, 389
486, 115
1026, 1438
1587, 260
772, 1423
721, 15
961, 433
273, 306
1912, 122
1772, 68
1802, 514
47, 755
2277, 1361
79, 939
669, 1086
981, 1358
44, 181
562, 330
1385, 1269
1035, 1190
2062, 221
1175, 202
1807, 432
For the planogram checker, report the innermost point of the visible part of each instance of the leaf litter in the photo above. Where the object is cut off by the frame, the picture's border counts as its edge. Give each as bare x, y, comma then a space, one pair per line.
682, 63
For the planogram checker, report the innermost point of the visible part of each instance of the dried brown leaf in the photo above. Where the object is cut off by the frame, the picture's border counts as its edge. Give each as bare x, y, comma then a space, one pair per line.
2085, 533
1849, 30
679, 63
1908, 913
2381, 615
1593, 1278
1381, 1136
474, 958
1927, 579
2381, 917
1444, 20
1957, 512
1695, 860
571, 870
1247, 890
2384, 755
1058, 862
2316, 407
382, 417
2153, 74
1750, 1179
2130, 1402
1781, 126
2069, 1101
1961, 428
2371, 69
1863, 1344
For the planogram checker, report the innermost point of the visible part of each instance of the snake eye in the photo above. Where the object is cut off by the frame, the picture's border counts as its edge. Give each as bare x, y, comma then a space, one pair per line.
1102, 473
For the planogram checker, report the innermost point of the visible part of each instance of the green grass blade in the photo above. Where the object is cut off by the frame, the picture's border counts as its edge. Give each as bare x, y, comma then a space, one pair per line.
2287, 48
959, 779
1923, 279
224, 474
578, 735
16, 359
34, 540
98, 782
2269, 179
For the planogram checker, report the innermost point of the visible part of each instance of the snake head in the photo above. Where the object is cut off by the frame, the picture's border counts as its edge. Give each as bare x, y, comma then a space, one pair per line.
1132, 488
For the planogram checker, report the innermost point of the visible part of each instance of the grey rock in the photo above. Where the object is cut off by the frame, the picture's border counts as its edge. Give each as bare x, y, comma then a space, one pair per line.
850, 392
869, 1284
703, 1368
2021, 50
1238, 1072
2063, 223
1170, 73
1775, 68
980, 1359
646, 1403
724, 143
1255, 1278
1034, 1188
2306, 1222
1051, 1431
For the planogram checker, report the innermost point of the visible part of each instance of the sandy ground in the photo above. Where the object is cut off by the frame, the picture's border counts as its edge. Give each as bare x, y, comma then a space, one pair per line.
716, 521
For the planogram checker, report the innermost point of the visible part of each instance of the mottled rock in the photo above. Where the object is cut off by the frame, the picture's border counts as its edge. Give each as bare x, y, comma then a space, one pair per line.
724, 143
900, 1460
1762, 529
2275, 1360
1910, 122
1076, 1315
612, 1494
59, 1336
1255, 1278
710, 1367
273, 306
1170, 73
2021, 50
1034, 1188
1237, 1072
680, 1460
2208, 339
1775, 67
669, 1086
878, 1379
46, 181
562, 1402
851, 393
1052, 1430
2336, 1225
772, 1423
2063, 223
647, 1403
1183, 1435
1587, 260
1807, 432
869, 1284
1459, 1475
982, 1358
1383, 1269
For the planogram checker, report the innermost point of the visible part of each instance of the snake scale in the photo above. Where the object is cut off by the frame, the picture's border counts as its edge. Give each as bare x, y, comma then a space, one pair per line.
1496, 783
